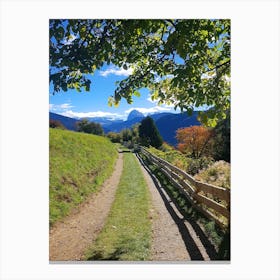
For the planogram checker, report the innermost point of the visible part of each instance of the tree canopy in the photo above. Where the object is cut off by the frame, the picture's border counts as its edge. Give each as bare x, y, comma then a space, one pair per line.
89, 127
181, 62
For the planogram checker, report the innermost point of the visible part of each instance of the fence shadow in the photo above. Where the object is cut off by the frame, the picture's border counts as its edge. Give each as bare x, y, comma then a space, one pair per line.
191, 246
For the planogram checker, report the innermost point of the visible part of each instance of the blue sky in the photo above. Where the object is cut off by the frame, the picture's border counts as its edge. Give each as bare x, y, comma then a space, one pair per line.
95, 102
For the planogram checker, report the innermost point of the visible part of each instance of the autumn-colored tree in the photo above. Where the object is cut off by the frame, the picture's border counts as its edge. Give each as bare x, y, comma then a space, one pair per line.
194, 140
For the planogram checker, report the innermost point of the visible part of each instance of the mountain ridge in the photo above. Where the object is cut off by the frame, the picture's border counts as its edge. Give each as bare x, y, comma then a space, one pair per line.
167, 123
134, 114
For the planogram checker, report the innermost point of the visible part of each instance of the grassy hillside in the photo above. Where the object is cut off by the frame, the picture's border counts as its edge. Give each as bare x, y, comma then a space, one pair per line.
79, 164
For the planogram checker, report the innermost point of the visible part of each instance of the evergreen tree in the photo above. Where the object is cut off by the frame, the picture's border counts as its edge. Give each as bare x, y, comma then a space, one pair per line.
149, 134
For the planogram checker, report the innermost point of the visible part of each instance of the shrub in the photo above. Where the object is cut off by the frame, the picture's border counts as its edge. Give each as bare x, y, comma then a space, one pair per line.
217, 174
89, 127
56, 124
196, 165
114, 137
166, 148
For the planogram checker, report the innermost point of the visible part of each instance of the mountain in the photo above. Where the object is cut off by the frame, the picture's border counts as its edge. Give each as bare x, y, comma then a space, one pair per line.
133, 118
118, 126
135, 114
157, 116
69, 123
103, 121
168, 124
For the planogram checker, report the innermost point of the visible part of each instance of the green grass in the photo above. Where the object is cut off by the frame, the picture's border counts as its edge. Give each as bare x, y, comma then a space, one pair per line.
79, 164
127, 233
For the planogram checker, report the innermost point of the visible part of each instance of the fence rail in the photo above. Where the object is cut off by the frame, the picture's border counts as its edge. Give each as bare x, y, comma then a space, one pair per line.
208, 199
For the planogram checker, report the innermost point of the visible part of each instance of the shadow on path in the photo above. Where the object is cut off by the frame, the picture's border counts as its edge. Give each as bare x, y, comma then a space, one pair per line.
191, 246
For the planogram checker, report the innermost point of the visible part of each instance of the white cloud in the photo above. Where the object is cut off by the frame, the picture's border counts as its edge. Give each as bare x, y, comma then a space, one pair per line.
116, 71
66, 106
152, 110
209, 75
60, 107
70, 40
97, 114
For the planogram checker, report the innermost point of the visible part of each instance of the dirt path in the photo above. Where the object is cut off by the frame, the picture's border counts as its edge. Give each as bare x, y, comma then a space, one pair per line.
69, 239
174, 238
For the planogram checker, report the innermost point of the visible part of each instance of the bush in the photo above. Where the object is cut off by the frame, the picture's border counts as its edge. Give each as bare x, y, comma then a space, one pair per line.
114, 137
196, 165
217, 174
56, 124
166, 148
90, 127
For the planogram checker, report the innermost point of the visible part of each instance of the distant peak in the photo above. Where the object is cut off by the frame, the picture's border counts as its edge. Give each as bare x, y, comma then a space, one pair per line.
134, 114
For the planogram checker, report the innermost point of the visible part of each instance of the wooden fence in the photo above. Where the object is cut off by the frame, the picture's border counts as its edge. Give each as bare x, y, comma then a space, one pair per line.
212, 201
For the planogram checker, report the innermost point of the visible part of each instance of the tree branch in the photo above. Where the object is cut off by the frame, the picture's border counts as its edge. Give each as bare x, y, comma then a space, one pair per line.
172, 23
218, 66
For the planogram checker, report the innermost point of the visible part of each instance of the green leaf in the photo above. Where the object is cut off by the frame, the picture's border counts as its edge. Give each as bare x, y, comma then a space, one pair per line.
149, 47
137, 93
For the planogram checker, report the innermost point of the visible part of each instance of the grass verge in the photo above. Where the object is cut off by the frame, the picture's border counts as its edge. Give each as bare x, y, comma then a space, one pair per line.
79, 163
126, 235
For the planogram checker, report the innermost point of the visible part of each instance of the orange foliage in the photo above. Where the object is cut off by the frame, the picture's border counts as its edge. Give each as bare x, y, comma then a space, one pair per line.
194, 140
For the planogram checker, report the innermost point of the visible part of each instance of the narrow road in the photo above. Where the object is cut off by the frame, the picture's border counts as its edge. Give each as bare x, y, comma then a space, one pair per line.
69, 238
174, 238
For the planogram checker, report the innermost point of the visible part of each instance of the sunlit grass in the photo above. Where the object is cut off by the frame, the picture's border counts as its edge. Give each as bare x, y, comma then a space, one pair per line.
127, 233
78, 165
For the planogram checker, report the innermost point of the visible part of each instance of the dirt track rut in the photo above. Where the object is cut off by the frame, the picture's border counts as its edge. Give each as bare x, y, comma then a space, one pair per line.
69, 238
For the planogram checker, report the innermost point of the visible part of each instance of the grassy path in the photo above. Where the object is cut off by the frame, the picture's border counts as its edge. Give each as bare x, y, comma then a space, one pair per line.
127, 231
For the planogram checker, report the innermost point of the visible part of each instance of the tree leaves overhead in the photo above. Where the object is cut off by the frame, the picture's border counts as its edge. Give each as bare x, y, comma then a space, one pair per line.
182, 62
